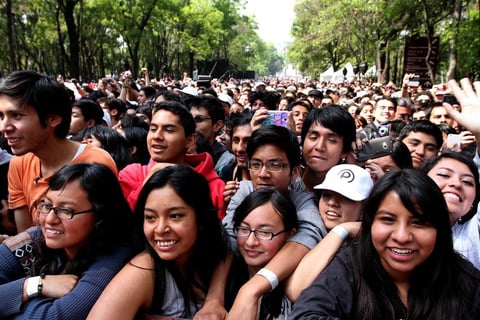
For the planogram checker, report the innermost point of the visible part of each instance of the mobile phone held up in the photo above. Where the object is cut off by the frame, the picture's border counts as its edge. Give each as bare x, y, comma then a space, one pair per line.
276, 117
375, 148
414, 81
454, 142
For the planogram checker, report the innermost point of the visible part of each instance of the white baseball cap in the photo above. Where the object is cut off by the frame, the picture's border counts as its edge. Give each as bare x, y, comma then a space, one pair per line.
190, 91
349, 180
225, 98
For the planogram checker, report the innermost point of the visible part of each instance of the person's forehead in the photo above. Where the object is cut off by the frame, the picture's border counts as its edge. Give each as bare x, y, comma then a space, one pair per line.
243, 130
367, 108
318, 127
165, 116
199, 110
384, 103
269, 151
403, 109
300, 108
76, 109
421, 136
438, 109
423, 97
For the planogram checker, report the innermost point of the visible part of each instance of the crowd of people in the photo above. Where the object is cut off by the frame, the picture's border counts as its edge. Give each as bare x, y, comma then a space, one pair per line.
279, 199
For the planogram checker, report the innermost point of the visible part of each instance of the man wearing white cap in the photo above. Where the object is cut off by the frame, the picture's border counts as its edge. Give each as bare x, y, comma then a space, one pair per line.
343, 192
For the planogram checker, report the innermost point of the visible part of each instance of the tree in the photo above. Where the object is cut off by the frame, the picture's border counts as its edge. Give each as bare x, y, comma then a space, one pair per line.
66, 8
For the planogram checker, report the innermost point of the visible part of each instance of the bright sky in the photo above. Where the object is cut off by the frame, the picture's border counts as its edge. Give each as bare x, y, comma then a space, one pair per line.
274, 18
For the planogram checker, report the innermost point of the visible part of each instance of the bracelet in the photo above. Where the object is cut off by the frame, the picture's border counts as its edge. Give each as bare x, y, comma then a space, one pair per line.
270, 276
340, 231
34, 287
40, 284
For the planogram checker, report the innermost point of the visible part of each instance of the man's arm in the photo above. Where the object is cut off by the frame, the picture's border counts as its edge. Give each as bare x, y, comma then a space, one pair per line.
23, 218
146, 76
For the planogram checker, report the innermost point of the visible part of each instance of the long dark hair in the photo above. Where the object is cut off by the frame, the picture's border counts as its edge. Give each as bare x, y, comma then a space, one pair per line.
113, 216
210, 247
442, 286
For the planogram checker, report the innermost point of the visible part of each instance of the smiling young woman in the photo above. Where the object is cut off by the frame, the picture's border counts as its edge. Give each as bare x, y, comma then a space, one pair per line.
457, 177
59, 268
263, 222
182, 241
403, 265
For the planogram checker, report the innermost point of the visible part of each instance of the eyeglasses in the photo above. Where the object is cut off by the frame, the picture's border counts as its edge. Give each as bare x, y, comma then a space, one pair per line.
63, 213
200, 118
405, 117
423, 101
272, 166
244, 232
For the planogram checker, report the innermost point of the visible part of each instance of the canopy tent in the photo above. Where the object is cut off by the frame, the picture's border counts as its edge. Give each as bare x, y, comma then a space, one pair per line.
339, 77
371, 72
327, 74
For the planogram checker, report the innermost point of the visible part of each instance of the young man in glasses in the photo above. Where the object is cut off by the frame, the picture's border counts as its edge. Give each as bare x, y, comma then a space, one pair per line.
209, 115
274, 162
35, 116
171, 134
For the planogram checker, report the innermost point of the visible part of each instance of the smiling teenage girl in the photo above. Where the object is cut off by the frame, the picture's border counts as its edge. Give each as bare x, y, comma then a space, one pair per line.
183, 242
75, 251
403, 266
263, 222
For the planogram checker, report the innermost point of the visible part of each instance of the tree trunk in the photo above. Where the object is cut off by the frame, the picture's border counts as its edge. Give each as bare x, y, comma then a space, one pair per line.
65, 59
382, 62
73, 37
430, 37
11, 44
452, 67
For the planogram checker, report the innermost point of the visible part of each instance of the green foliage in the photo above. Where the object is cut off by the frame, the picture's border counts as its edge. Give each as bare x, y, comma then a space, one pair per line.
331, 32
167, 36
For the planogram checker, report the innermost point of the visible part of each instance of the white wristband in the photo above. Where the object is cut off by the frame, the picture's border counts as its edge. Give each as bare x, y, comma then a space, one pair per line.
340, 231
270, 276
32, 286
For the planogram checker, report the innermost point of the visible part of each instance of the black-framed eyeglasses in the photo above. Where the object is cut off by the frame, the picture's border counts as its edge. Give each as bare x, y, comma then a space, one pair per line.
423, 101
272, 166
244, 232
44, 208
200, 118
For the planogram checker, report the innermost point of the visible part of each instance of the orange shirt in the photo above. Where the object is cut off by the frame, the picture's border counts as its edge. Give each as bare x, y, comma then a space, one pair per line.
24, 186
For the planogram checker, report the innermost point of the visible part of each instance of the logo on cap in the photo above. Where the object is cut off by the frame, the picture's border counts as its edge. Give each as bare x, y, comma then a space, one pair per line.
347, 174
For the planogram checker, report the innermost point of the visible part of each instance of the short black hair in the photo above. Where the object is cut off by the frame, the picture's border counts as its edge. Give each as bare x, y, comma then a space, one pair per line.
213, 106
90, 110
178, 109
423, 126
43, 94
335, 118
278, 136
